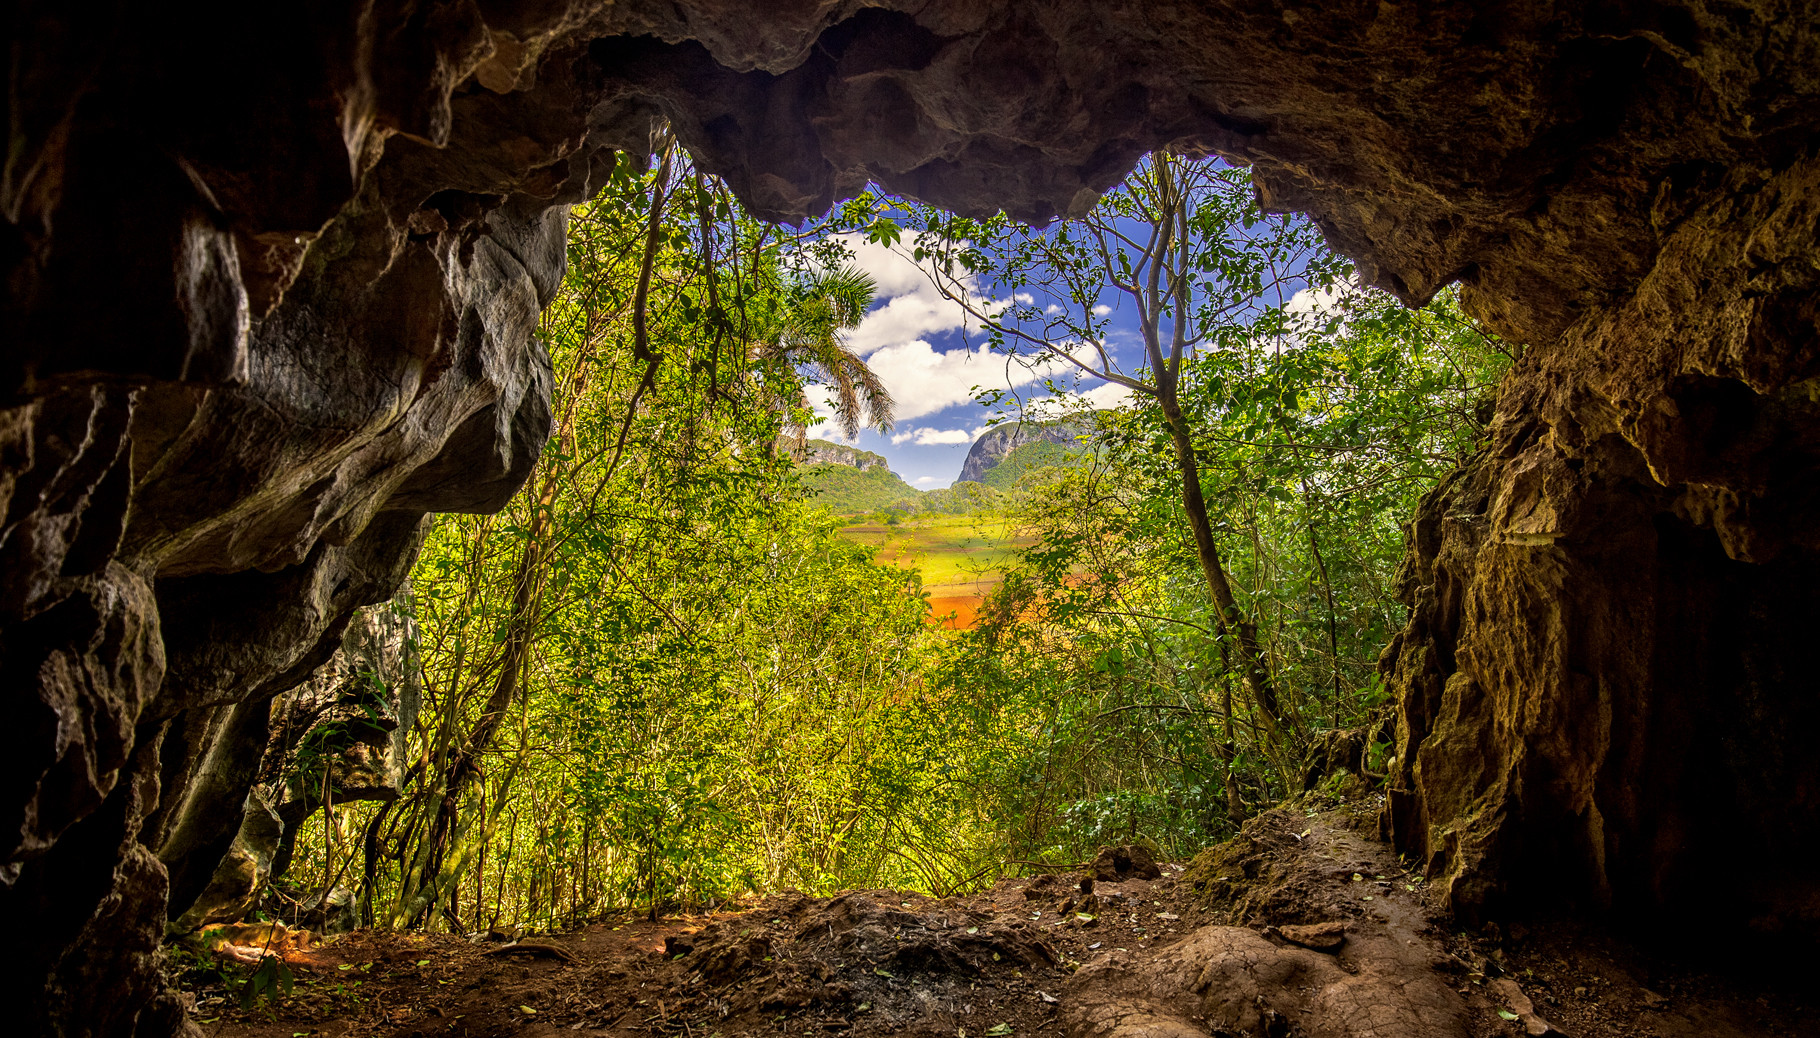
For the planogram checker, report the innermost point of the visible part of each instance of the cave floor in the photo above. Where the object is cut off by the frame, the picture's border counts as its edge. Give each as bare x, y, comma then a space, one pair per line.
1034, 957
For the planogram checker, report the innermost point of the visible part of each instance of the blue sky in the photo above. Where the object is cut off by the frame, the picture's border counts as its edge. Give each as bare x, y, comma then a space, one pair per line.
917, 342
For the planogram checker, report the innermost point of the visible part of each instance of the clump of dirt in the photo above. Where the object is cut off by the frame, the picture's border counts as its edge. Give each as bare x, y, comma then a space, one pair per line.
1287, 867
1317, 932
1303, 927
871, 962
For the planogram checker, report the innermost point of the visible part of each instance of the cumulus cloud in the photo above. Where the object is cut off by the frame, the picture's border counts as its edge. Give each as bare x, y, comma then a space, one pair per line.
1105, 396
913, 308
926, 380
1316, 300
928, 436
825, 427
897, 338
924, 480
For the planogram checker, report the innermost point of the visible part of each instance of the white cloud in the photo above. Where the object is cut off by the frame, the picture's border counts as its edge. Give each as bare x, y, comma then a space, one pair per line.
926, 380
1106, 395
1101, 310
825, 427
913, 308
1315, 300
928, 436
895, 338
921, 480
1103, 397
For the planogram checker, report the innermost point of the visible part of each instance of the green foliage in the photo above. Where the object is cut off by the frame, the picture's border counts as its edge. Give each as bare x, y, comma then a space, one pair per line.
1298, 419
660, 677
1026, 458
1102, 643
665, 675
965, 497
270, 981
845, 490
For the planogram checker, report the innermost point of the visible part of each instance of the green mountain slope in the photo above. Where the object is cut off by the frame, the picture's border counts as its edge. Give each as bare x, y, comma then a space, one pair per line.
845, 490
1003, 476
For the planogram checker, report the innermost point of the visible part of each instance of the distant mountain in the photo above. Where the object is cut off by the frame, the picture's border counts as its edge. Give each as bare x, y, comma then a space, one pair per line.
845, 490
1027, 458
822, 452
996, 444
849, 481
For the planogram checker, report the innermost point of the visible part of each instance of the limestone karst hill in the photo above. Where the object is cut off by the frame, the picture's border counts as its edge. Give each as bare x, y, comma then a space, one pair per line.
996, 444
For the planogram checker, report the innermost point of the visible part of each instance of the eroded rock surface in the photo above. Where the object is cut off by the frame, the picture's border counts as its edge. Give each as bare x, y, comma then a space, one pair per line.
994, 445
1314, 931
1601, 686
271, 278
341, 732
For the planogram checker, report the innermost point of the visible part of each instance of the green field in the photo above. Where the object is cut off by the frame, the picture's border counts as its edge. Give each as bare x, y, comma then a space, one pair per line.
961, 556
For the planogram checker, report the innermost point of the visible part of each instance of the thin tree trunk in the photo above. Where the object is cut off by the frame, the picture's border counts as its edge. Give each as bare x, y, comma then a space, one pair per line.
1243, 632
369, 880
1333, 629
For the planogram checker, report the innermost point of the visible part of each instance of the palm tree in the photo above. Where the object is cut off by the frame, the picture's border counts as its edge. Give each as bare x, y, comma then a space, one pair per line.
813, 336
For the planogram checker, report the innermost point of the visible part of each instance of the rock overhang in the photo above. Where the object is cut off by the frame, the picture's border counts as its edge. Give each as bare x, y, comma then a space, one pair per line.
284, 219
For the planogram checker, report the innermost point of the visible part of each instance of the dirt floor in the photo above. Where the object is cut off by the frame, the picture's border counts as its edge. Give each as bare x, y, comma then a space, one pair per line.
1303, 926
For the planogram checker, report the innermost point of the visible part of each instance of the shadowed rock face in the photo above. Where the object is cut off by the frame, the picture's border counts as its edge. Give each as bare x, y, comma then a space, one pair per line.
271, 278
342, 732
1605, 685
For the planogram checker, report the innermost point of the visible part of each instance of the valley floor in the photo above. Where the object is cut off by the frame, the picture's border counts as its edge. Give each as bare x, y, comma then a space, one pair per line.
1303, 926
961, 558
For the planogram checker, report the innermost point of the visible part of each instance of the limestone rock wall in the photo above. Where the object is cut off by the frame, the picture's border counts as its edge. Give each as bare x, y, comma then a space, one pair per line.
342, 732
994, 445
271, 278
1605, 690
822, 452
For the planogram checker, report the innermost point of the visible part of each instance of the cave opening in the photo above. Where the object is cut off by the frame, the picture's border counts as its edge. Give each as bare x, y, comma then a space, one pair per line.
272, 284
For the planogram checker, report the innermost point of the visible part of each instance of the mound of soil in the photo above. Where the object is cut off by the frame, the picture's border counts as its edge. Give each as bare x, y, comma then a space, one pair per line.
1302, 927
